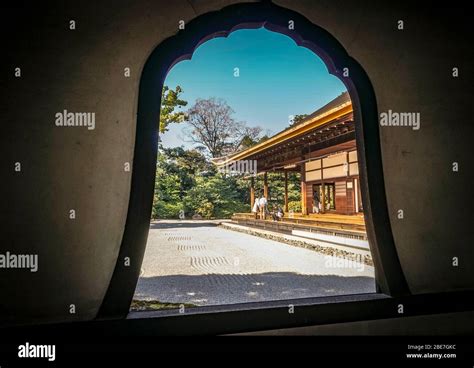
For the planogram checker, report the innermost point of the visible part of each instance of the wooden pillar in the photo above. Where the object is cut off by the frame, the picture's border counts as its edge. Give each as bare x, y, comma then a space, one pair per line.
265, 186
252, 192
304, 209
286, 191
323, 195
323, 198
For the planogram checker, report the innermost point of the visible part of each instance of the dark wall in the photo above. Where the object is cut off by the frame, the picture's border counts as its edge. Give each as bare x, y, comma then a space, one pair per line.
436, 324
76, 168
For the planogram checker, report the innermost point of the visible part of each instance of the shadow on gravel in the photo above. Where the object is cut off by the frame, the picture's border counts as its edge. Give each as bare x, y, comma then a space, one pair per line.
219, 289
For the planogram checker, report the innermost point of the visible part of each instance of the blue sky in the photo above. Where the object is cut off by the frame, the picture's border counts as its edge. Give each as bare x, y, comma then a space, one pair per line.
277, 79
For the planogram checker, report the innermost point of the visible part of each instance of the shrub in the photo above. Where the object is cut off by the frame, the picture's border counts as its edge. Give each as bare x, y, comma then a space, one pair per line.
295, 206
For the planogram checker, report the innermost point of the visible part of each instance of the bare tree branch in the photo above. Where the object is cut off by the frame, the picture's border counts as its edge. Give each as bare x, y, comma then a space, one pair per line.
214, 127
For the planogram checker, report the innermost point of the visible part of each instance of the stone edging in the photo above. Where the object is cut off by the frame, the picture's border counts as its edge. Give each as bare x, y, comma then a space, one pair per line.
367, 259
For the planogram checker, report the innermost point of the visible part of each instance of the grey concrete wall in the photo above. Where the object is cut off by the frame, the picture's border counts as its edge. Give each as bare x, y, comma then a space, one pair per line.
74, 168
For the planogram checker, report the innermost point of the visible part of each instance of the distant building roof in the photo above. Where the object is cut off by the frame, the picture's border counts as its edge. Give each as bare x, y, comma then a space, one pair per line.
338, 107
338, 101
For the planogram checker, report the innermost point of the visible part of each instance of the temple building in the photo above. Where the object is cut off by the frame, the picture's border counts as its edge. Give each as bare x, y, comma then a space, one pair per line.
322, 148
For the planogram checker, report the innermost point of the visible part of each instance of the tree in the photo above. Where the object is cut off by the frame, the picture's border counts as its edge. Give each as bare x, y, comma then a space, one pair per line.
213, 127
166, 198
251, 140
250, 136
216, 196
298, 119
170, 101
183, 166
188, 183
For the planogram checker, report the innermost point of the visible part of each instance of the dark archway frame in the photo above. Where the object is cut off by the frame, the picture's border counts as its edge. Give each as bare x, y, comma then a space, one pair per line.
388, 272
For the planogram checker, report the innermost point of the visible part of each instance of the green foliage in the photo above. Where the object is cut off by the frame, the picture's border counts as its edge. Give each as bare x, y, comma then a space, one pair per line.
297, 119
170, 101
166, 210
216, 196
186, 181
294, 206
277, 188
249, 141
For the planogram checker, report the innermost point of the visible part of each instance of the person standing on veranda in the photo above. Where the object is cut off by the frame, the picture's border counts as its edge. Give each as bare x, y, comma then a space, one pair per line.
262, 205
255, 208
